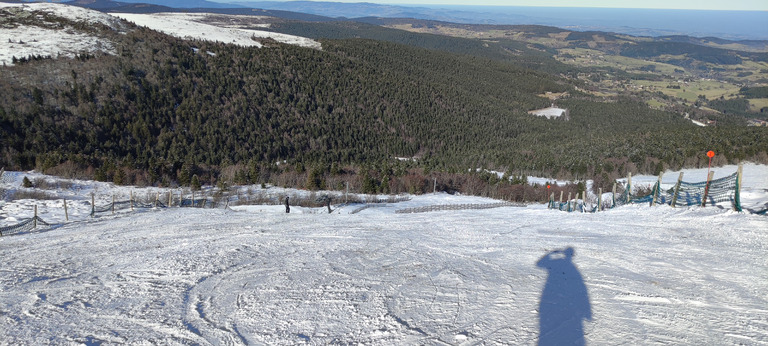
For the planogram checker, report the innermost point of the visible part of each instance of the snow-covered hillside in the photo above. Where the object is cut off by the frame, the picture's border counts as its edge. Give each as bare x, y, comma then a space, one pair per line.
514, 275
195, 26
33, 29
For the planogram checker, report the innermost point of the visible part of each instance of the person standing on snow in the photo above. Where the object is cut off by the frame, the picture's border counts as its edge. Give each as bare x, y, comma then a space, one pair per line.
287, 206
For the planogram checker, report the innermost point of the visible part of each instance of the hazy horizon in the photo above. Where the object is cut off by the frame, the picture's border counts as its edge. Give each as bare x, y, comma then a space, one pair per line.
716, 5
725, 24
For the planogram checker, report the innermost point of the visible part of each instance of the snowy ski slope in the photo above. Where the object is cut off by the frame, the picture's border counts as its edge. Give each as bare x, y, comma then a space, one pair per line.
255, 275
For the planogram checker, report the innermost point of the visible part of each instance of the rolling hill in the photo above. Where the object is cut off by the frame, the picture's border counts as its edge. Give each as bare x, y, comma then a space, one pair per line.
157, 107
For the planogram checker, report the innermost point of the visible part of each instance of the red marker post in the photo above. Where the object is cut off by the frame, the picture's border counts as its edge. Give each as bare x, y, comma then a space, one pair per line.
710, 155
551, 197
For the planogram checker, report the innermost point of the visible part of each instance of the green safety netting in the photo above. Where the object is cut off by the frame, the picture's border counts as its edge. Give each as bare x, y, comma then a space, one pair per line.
23, 226
718, 192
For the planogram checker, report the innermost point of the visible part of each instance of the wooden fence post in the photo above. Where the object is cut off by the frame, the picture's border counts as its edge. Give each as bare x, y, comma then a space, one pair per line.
613, 196
569, 201
93, 205
66, 213
34, 221
131, 200
113, 204
561, 196
677, 189
737, 193
157, 198
706, 189
599, 198
170, 198
629, 187
656, 190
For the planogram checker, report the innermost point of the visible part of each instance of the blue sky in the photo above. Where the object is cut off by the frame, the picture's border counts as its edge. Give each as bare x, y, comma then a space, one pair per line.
741, 5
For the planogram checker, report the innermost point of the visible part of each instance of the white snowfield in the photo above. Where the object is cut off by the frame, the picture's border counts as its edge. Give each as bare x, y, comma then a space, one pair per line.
24, 40
513, 275
73, 13
192, 26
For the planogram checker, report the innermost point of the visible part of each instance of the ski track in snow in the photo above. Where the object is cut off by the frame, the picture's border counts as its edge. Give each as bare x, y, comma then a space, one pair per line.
202, 276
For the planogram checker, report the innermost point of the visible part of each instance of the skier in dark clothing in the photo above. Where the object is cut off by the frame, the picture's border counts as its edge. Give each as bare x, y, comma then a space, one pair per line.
287, 206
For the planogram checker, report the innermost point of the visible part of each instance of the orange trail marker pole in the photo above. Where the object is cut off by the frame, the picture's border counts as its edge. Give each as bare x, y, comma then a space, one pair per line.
551, 199
710, 155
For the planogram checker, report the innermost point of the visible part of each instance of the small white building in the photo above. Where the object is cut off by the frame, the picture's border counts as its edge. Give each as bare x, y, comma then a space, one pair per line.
552, 113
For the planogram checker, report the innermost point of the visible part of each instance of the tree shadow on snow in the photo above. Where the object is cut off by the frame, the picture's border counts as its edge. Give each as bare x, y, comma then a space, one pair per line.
564, 301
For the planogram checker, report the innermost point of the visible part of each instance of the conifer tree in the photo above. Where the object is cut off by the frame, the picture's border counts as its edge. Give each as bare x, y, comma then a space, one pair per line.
195, 183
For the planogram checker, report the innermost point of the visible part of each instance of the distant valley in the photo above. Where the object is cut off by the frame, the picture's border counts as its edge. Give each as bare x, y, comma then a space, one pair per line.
734, 25
387, 104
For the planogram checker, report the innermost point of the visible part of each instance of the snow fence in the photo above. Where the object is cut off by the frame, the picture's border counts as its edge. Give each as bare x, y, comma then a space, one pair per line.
711, 192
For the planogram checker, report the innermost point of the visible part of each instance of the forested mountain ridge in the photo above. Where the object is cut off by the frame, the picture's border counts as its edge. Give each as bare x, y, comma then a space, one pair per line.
163, 108
704, 77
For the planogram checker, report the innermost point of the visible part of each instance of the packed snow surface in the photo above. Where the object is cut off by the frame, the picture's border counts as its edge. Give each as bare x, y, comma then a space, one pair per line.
513, 275
192, 26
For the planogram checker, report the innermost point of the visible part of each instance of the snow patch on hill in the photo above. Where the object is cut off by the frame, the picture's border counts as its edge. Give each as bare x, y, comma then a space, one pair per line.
73, 13
193, 26
48, 43
32, 30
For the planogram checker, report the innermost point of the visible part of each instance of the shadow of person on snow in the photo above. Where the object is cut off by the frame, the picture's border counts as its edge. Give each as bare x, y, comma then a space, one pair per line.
564, 301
